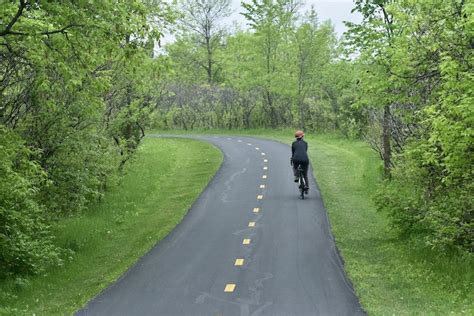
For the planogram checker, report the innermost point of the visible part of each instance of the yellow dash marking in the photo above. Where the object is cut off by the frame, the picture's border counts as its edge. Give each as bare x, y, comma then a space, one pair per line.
239, 262
263, 154
262, 186
259, 197
265, 160
251, 224
265, 168
229, 288
246, 241
256, 210
264, 177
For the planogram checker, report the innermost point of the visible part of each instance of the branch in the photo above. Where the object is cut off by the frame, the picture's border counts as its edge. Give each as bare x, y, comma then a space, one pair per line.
62, 30
7, 30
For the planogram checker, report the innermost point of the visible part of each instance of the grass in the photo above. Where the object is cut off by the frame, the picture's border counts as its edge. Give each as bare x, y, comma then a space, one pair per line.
159, 187
391, 276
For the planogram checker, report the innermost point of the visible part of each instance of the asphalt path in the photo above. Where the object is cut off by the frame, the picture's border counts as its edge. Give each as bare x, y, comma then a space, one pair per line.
248, 246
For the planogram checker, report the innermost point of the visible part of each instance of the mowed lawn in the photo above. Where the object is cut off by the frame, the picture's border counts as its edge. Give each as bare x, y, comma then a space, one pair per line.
160, 185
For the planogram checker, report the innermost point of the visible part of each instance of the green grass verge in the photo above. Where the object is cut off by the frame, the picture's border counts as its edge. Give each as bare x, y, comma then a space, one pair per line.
160, 185
391, 276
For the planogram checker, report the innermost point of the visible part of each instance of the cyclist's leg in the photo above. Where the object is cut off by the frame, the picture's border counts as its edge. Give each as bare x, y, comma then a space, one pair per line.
295, 170
305, 166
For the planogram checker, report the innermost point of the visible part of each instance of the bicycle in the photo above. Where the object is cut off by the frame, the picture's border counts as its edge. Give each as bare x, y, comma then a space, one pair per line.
301, 181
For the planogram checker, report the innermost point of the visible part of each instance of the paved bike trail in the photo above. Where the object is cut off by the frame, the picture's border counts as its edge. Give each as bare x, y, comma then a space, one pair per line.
290, 263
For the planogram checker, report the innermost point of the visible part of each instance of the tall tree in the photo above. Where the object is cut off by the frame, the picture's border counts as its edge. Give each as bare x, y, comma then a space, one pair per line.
202, 20
313, 53
375, 35
273, 21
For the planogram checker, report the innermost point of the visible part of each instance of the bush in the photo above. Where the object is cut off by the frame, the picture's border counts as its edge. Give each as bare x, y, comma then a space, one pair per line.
25, 239
420, 206
78, 173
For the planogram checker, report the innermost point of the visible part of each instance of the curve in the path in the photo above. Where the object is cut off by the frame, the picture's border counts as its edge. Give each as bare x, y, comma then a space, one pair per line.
248, 246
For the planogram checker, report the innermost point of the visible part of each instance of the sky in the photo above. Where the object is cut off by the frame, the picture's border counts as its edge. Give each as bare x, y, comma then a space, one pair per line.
335, 10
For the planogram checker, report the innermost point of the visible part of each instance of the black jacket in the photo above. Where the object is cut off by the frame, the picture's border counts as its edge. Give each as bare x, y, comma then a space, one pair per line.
299, 150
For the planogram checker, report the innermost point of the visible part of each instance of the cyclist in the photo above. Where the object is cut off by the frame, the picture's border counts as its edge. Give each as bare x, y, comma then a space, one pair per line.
299, 156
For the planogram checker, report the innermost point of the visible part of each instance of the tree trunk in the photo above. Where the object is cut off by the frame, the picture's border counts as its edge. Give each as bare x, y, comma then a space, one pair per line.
387, 149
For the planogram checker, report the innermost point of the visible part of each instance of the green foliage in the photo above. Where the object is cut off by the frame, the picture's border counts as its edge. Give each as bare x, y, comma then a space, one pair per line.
283, 72
25, 238
76, 86
425, 66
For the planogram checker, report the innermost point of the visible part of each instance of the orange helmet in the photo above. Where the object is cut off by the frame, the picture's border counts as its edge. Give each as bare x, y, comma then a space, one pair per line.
299, 134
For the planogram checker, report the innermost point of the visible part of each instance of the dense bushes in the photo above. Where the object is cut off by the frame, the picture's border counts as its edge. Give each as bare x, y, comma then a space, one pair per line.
430, 194
76, 88
432, 188
25, 239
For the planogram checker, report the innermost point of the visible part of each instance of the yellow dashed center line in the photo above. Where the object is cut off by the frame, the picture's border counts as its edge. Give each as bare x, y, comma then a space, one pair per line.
256, 209
229, 288
259, 197
239, 262
251, 224
246, 241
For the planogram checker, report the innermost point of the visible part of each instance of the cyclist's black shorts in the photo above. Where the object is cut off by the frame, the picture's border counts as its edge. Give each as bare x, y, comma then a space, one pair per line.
303, 164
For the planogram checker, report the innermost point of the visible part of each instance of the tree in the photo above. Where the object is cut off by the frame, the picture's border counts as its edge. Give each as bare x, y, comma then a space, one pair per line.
202, 19
375, 35
314, 52
65, 96
273, 22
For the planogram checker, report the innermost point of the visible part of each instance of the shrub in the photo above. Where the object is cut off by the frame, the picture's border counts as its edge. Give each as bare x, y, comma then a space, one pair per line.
25, 239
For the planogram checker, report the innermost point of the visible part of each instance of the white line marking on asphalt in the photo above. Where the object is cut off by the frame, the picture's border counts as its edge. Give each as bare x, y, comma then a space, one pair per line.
262, 186
246, 241
264, 176
259, 197
256, 209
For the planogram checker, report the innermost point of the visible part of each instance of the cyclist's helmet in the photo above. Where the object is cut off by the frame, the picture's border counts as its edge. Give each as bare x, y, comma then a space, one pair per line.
299, 134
